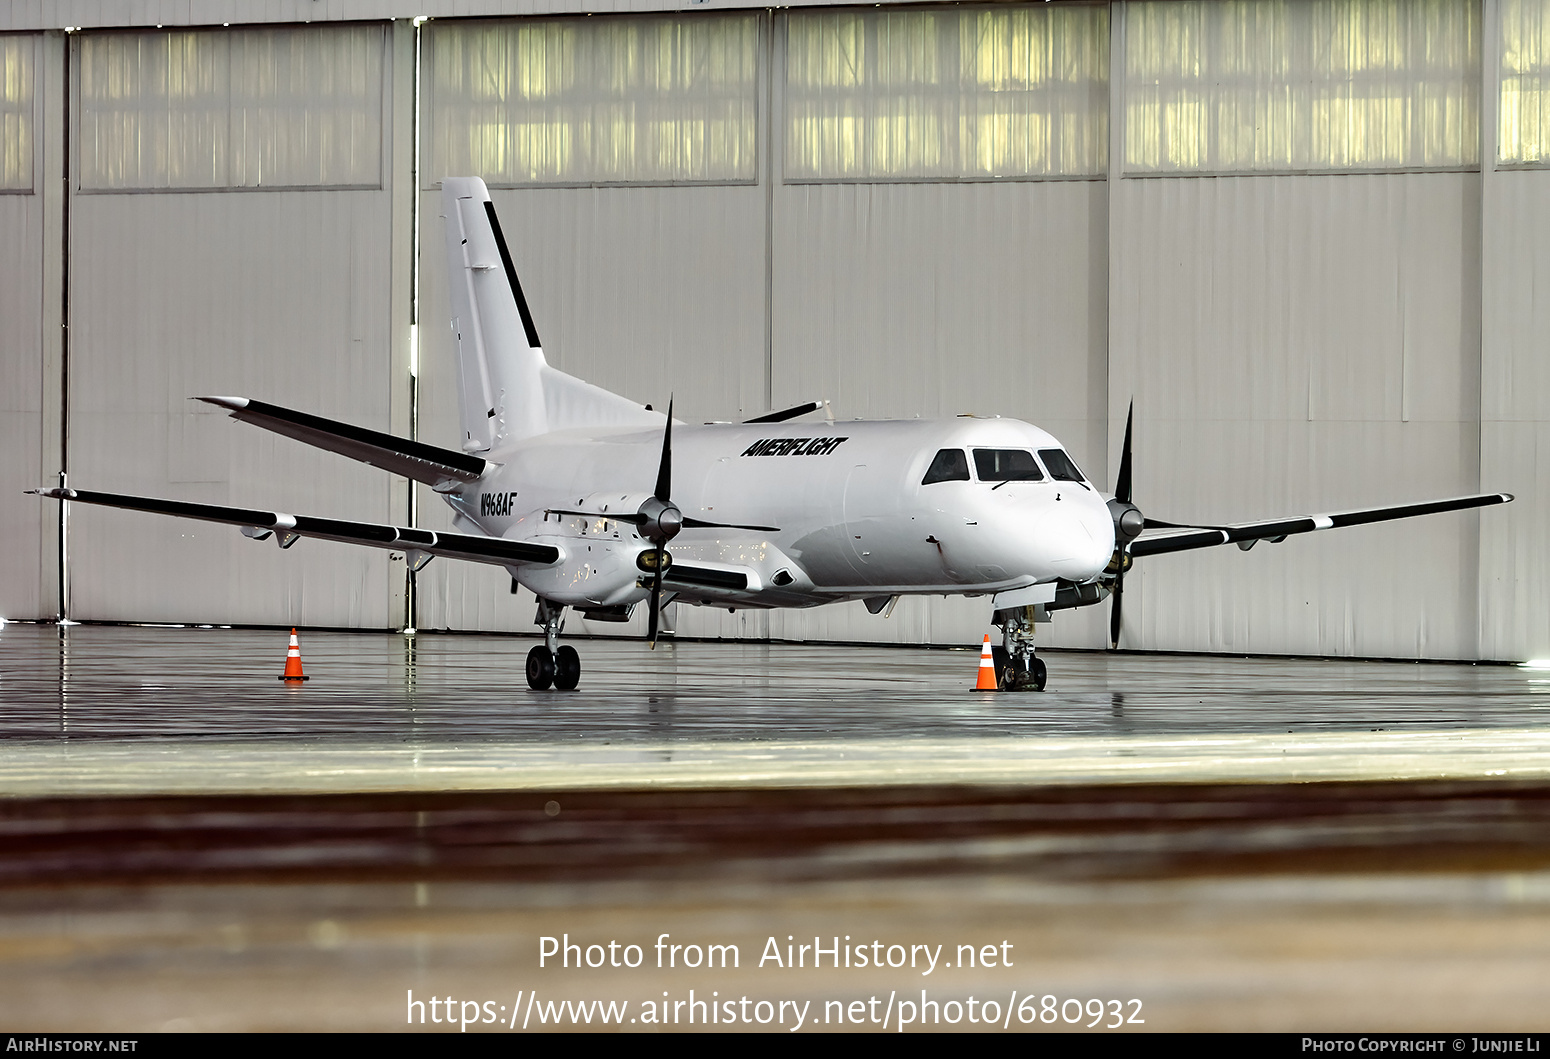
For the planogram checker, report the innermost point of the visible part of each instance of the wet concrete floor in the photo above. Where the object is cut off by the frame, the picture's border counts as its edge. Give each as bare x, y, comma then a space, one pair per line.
107, 682
1234, 843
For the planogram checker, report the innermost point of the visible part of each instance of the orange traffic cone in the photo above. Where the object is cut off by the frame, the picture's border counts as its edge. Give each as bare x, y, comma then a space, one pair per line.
987, 681
293, 660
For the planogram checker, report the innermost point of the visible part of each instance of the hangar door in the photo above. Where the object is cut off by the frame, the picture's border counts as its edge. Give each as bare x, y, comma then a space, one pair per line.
230, 233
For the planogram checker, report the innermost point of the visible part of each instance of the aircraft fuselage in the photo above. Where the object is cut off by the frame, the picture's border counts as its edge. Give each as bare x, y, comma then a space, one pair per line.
854, 516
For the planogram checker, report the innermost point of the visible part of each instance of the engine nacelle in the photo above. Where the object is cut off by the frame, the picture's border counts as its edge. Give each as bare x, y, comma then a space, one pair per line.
597, 571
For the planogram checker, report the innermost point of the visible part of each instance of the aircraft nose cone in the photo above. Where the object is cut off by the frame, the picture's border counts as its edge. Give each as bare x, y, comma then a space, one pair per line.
1081, 542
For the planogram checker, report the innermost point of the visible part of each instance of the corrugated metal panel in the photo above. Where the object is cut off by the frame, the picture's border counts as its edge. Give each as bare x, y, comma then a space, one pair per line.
280, 296
649, 292
895, 300
30, 252
57, 14
27, 589
1303, 344
1515, 413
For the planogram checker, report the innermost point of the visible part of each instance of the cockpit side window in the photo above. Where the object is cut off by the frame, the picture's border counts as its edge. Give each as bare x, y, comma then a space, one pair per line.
1061, 467
1006, 465
950, 465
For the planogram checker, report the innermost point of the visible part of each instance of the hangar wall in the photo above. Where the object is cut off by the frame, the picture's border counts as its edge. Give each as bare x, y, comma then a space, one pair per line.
30, 256
231, 232
1265, 220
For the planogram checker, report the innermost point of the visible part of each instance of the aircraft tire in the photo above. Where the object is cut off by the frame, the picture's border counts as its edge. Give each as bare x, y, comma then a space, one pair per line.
567, 668
1038, 674
540, 668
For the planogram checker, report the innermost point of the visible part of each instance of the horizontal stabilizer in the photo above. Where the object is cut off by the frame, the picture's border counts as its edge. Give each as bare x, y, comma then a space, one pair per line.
442, 469
784, 414
1184, 538
473, 548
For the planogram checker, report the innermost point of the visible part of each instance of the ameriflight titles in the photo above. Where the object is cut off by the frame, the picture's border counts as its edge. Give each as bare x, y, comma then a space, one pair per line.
794, 446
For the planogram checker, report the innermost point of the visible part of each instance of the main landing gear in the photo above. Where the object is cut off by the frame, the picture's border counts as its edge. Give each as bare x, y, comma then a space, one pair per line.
1017, 667
550, 664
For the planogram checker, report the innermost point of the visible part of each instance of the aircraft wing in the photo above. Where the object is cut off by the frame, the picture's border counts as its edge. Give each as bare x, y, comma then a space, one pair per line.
439, 468
260, 524
1245, 534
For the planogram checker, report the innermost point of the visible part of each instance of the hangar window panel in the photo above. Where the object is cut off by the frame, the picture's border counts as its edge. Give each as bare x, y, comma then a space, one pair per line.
947, 94
306, 108
627, 100
16, 103
1285, 86
1524, 133
263, 108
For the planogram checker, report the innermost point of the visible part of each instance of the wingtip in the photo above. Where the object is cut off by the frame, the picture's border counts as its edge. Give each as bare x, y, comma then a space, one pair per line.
236, 404
1507, 498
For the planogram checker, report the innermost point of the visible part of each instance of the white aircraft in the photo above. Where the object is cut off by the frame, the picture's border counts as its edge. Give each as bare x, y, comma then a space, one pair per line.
573, 490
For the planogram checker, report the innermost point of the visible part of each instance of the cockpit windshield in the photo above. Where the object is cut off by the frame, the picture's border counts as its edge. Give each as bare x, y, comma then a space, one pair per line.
1006, 465
1061, 467
950, 465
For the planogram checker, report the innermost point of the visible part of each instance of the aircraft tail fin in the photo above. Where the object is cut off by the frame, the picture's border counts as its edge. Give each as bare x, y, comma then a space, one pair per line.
507, 390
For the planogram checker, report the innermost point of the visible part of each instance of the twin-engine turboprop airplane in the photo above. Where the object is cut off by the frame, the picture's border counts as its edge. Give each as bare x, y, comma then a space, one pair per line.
574, 491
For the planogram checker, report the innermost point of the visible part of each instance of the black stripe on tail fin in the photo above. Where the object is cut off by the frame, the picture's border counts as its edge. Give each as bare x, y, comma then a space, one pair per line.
511, 277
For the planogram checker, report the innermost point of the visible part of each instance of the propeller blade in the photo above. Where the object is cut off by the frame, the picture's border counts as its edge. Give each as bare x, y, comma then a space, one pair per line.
1157, 523
656, 602
695, 523
665, 469
1122, 483
614, 516
1116, 604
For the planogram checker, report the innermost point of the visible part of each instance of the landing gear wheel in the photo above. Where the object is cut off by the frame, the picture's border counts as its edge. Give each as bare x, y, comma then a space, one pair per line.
1038, 674
567, 668
540, 668
1003, 674
1016, 678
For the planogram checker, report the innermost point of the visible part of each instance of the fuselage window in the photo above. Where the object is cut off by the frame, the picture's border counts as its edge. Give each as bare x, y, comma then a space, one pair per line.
950, 465
1061, 467
1006, 465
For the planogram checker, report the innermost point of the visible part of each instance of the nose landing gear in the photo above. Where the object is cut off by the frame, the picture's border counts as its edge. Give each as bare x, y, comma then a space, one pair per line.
1018, 668
549, 664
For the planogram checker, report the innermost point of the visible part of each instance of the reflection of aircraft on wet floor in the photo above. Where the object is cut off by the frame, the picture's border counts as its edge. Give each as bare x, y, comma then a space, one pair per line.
574, 491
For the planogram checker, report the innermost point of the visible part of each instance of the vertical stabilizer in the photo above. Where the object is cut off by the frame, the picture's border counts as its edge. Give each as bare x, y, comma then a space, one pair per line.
507, 391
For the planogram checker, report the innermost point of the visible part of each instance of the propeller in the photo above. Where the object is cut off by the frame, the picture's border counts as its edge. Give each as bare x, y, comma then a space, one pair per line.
1128, 524
660, 520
